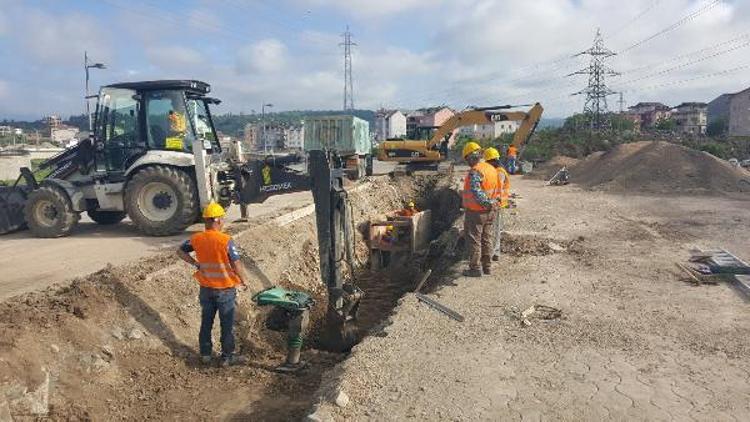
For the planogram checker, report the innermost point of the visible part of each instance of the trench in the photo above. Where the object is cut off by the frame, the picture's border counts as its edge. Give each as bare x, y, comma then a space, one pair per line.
121, 343
383, 286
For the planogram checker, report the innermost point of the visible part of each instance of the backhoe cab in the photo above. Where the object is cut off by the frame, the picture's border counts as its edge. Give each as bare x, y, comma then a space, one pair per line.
153, 156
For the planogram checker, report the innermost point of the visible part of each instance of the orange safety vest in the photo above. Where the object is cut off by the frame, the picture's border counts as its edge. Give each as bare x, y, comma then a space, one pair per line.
215, 270
489, 186
503, 186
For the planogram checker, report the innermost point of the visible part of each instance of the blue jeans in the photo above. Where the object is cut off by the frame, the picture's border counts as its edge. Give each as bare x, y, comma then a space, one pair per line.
212, 301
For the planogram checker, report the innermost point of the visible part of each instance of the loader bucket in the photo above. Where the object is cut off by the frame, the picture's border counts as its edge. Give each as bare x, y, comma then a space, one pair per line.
12, 200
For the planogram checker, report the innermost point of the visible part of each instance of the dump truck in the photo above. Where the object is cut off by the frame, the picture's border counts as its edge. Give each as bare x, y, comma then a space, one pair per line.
348, 135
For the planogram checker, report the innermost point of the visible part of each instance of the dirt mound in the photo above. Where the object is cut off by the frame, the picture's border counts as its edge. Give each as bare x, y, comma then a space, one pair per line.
547, 169
656, 167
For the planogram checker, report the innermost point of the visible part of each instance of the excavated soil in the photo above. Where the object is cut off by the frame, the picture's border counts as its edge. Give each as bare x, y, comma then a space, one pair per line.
657, 167
121, 343
547, 169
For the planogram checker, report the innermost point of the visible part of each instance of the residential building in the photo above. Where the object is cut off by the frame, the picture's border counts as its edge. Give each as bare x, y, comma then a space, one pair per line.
389, 124
428, 118
6, 130
294, 137
251, 137
650, 113
412, 122
691, 118
490, 131
62, 135
53, 122
734, 110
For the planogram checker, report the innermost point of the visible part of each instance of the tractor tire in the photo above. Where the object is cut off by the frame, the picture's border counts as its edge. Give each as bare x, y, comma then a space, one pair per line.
162, 200
49, 213
106, 217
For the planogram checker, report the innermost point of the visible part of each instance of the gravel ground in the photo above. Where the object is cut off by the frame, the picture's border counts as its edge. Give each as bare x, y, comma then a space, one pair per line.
634, 341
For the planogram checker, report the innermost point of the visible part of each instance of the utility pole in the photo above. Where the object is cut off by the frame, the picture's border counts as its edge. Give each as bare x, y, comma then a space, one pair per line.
263, 122
622, 103
348, 85
597, 90
86, 67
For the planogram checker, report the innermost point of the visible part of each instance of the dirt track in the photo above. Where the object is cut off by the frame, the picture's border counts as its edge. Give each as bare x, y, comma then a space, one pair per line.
30, 264
634, 341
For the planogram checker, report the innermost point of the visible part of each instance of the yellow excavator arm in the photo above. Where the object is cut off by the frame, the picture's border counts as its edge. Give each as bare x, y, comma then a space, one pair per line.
529, 121
427, 151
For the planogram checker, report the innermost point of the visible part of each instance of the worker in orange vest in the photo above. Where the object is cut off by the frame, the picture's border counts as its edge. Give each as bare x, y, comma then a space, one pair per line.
480, 186
502, 196
219, 271
512, 158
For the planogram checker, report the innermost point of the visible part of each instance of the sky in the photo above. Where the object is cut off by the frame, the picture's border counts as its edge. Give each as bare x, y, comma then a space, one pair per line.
409, 53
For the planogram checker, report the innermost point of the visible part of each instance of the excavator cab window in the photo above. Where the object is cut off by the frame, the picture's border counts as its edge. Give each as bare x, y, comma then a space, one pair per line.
167, 121
117, 128
200, 118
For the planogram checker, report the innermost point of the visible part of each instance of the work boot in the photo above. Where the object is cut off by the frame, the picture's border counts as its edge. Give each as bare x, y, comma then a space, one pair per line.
206, 359
232, 360
472, 273
495, 258
487, 270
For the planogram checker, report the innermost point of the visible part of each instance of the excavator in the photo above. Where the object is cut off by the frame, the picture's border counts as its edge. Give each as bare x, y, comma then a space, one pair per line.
432, 153
154, 157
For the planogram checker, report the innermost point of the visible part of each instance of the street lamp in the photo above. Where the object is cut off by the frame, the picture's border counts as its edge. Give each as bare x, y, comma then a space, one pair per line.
263, 120
88, 66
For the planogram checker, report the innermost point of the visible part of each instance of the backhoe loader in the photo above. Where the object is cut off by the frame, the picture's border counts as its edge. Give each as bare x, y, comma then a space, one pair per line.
154, 156
432, 153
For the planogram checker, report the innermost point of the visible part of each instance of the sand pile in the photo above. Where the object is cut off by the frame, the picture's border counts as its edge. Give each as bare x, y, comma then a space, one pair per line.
656, 167
547, 169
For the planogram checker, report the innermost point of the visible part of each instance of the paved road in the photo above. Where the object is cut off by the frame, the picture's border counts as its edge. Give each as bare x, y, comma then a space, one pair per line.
29, 263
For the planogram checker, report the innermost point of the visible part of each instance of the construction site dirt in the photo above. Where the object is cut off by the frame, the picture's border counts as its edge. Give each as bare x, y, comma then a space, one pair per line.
632, 341
120, 343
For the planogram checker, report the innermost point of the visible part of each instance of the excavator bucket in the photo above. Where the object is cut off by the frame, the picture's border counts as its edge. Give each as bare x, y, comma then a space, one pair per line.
12, 200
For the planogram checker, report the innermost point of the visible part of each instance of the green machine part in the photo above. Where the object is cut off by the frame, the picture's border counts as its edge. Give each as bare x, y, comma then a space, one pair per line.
285, 299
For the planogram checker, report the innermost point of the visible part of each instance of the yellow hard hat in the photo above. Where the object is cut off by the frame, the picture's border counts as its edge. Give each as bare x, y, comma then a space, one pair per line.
411, 204
491, 154
389, 227
213, 210
470, 147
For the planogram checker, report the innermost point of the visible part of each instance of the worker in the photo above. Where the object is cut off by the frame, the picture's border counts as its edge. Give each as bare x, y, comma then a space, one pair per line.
512, 158
409, 210
502, 195
480, 187
389, 237
219, 272
177, 123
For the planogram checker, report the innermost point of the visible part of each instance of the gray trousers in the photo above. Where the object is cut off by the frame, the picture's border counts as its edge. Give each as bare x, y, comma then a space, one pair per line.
478, 232
498, 231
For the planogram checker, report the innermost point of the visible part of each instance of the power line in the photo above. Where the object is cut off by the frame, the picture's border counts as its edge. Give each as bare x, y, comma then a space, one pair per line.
597, 90
348, 85
634, 19
685, 19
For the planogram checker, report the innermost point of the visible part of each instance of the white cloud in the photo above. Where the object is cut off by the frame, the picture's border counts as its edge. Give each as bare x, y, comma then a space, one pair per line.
268, 55
369, 8
4, 89
204, 19
173, 56
61, 39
